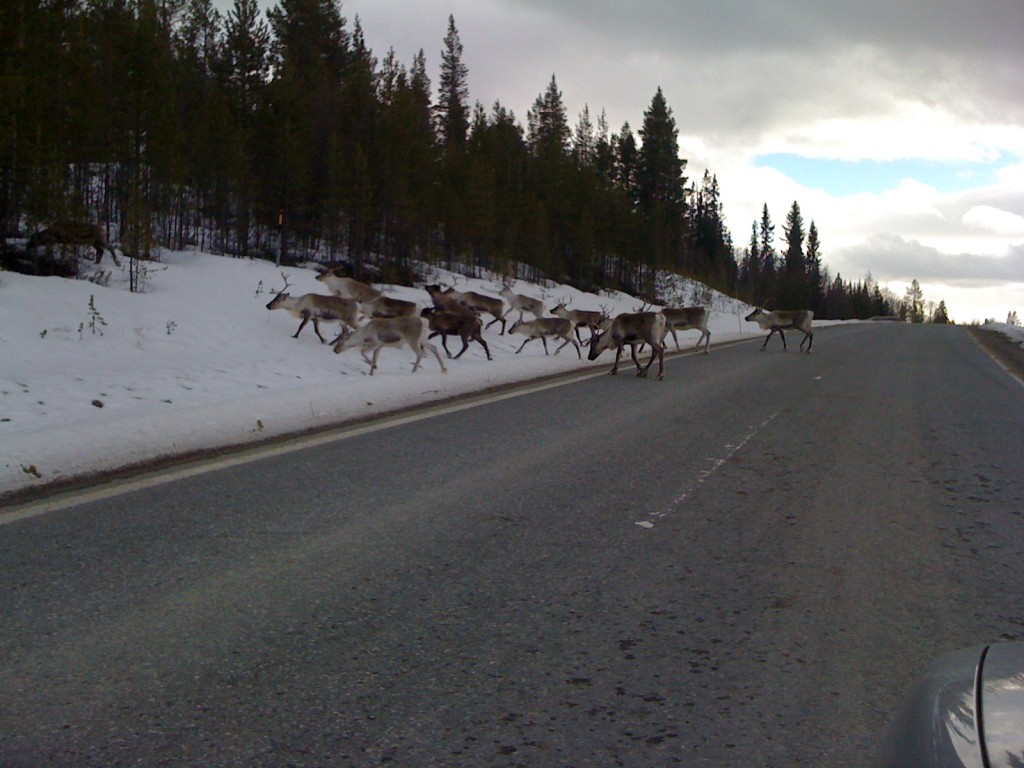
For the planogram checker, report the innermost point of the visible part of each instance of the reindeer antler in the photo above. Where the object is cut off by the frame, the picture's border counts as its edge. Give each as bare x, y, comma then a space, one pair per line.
287, 284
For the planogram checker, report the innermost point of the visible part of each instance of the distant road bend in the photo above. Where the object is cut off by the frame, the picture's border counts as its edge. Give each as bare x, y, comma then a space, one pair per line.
745, 564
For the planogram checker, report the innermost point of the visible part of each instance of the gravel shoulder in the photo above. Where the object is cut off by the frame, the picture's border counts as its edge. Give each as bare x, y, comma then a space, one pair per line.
1003, 349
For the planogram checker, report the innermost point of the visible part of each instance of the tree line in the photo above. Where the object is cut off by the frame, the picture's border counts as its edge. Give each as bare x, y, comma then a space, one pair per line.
283, 136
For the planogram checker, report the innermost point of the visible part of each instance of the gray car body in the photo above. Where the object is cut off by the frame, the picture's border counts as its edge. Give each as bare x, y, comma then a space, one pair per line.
965, 711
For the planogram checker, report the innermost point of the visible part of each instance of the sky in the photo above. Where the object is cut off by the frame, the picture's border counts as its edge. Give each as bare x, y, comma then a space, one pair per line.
896, 125
196, 361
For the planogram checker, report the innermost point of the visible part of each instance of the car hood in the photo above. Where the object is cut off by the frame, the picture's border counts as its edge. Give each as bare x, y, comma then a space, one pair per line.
965, 711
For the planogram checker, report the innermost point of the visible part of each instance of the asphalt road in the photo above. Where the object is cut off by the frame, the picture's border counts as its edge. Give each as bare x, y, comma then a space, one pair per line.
745, 564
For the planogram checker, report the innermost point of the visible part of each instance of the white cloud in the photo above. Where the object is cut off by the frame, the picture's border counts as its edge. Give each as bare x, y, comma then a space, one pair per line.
986, 217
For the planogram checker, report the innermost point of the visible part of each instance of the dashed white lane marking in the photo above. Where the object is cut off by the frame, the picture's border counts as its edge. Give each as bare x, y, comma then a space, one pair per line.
704, 474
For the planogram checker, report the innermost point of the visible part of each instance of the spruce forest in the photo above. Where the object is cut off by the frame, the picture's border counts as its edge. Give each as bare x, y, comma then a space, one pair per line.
283, 136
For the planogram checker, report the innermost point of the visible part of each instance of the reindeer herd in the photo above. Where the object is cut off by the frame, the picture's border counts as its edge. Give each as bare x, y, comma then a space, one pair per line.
371, 321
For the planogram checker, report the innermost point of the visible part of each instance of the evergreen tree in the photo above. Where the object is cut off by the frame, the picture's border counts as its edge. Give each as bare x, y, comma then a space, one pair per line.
585, 141
713, 257
247, 57
940, 316
915, 302
548, 127
662, 191
815, 278
766, 250
793, 291
309, 53
452, 108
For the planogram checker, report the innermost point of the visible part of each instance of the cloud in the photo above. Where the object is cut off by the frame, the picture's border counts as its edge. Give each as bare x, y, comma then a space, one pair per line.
892, 258
991, 219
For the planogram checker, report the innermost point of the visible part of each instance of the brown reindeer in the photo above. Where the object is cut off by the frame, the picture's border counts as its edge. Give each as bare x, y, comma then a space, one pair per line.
74, 233
464, 324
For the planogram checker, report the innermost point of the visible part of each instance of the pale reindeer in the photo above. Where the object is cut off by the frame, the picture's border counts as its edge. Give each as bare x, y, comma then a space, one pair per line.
633, 328
383, 332
74, 233
347, 287
517, 302
543, 327
778, 320
312, 306
580, 318
386, 306
478, 302
685, 319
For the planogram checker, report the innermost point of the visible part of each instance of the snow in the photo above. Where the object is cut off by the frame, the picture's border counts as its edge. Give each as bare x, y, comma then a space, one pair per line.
1013, 332
94, 377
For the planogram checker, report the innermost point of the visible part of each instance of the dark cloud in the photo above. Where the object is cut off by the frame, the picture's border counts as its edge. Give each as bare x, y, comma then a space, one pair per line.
891, 257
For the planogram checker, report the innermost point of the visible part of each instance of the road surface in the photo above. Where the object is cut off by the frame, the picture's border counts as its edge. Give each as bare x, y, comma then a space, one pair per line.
745, 564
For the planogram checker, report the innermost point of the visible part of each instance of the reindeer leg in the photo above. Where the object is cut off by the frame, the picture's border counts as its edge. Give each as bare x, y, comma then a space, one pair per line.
656, 352
484, 345
636, 362
305, 319
444, 343
618, 354
784, 347
528, 338
433, 348
316, 328
544, 341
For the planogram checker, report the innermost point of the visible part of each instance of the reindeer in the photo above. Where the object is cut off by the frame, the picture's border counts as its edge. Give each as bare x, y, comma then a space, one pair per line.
519, 302
633, 328
314, 307
74, 233
686, 318
464, 323
383, 332
776, 320
347, 287
543, 327
444, 301
581, 318
478, 302
386, 306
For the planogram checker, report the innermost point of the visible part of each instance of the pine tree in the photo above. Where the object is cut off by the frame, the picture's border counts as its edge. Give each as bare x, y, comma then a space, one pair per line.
548, 127
815, 277
915, 302
766, 250
793, 289
662, 189
452, 108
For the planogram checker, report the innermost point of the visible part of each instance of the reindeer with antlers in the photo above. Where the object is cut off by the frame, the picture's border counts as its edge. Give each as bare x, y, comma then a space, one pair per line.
518, 302
581, 318
312, 306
